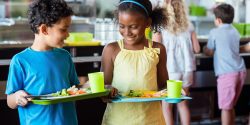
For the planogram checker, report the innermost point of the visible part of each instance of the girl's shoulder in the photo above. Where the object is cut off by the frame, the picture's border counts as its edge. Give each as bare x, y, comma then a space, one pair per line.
112, 48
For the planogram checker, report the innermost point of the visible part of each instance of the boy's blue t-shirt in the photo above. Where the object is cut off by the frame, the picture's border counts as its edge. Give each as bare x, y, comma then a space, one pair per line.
43, 72
225, 41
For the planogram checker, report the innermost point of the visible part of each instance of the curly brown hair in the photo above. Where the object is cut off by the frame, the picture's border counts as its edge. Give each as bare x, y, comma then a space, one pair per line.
177, 17
47, 12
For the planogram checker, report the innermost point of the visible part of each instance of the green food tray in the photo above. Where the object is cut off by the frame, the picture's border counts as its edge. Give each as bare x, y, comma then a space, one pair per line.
54, 100
140, 99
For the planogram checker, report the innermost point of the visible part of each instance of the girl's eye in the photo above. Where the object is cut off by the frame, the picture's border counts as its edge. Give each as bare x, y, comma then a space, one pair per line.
121, 27
133, 27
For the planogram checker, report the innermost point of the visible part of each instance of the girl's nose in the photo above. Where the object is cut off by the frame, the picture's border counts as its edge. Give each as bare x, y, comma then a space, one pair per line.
127, 32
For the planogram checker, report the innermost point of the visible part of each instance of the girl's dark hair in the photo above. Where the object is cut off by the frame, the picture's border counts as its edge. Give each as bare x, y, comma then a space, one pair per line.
225, 12
47, 12
158, 15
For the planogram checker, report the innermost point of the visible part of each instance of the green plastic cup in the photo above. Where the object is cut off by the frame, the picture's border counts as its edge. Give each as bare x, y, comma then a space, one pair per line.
174, 88
96, 81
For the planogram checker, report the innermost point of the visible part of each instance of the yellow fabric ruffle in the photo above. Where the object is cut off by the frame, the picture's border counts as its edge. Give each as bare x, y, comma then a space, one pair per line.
135, 70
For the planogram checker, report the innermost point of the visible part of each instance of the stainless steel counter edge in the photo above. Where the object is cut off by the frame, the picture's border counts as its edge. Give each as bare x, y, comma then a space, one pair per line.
85, 59
75, 20
20, 44
202, 55
203, 39
14, 44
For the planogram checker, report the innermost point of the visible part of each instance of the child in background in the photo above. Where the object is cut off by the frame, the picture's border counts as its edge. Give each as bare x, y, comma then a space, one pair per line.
181, 43
135, 63
223, 44
44, 68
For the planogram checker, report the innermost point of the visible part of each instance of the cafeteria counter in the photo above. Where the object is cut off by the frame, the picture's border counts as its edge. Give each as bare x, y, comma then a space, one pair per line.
87, 59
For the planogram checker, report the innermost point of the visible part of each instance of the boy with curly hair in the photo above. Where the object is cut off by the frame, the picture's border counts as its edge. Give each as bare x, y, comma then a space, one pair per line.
44, 67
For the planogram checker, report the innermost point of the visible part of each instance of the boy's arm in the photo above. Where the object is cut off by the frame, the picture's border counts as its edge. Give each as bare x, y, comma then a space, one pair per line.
207, 51
245, 48
11, 101
162, 75
210, 47
17, 98
195, 42
157, 37
15, 94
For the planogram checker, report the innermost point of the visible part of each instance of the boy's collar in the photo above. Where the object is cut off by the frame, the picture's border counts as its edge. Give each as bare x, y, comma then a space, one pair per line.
224, 25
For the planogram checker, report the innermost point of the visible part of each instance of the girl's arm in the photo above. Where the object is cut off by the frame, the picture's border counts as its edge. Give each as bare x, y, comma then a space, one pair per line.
157, 37
108, 56
162, 75
195, 42
107, 64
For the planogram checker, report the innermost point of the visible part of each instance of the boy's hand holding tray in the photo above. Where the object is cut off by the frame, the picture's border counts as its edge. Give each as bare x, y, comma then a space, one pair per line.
66, 95
97, 89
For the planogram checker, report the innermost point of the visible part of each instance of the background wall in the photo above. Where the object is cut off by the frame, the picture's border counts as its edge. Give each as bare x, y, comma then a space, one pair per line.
105, 8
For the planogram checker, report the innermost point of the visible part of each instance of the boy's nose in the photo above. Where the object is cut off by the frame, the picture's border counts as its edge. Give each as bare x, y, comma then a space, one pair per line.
67, 34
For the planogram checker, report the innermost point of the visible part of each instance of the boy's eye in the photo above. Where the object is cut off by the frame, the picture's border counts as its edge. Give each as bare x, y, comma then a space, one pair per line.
63, 30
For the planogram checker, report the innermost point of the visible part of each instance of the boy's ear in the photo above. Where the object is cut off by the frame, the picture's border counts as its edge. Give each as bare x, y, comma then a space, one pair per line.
43, 29
219, 20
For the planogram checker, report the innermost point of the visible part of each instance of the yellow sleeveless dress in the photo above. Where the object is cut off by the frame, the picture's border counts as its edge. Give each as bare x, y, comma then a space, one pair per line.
135, 70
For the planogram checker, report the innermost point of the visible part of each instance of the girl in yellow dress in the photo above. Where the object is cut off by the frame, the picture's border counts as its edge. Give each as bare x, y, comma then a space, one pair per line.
135, 63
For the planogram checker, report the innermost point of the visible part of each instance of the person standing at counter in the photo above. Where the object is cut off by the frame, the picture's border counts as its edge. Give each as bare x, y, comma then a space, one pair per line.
223, 44
135, 63
44, 68
181, 43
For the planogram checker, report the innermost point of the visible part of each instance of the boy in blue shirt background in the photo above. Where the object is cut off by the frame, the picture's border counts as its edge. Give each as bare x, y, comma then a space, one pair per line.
44, 68
223, 44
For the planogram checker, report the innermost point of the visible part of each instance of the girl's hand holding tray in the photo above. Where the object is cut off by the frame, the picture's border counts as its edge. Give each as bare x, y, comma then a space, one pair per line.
147, 96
